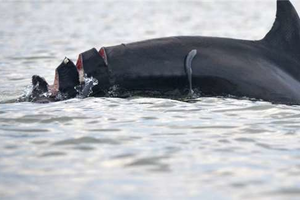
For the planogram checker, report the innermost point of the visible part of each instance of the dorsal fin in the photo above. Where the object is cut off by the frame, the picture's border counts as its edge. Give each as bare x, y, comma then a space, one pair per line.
285, 33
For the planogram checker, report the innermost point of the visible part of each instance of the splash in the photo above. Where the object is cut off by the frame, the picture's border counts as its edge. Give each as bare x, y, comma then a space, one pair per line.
27, 93
29, 96
113, 91
86, 89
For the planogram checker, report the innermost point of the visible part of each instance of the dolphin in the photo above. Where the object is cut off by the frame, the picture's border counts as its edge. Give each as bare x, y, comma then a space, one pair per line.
266, 69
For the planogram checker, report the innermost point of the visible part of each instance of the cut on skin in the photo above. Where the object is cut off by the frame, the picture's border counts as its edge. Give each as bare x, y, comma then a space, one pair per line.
267, 69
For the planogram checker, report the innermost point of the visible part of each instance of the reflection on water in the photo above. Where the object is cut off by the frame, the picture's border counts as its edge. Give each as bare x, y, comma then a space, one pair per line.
145, 145
137, 148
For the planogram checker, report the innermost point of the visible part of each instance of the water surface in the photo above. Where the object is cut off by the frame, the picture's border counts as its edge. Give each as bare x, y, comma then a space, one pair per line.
137, 148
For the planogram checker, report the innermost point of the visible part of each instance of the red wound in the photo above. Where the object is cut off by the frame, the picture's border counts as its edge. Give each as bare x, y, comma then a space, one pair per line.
79, 63
103, 55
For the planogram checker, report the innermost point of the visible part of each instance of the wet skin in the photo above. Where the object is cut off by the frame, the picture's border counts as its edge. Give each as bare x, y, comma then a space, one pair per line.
268, 69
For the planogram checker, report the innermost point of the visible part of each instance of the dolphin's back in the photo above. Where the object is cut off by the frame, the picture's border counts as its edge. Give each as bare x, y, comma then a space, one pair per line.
221, 67
268, 69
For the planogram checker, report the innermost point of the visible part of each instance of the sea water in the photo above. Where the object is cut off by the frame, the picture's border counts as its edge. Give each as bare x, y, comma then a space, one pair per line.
137, 148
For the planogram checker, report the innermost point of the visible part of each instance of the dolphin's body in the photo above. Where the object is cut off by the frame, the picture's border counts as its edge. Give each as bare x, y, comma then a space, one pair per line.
268, 69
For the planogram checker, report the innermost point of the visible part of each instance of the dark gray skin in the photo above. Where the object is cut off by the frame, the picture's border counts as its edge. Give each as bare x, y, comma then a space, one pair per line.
268, 69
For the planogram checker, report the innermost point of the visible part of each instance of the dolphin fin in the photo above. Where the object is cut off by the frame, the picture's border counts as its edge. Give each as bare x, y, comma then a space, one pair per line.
188, 68
285, 33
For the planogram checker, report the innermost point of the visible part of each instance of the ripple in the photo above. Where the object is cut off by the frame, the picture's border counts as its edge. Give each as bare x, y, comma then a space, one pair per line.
168, 134
61, 119
28, 58
53, 154
213, 127
85, 140
224, 141
146, 148
267, 146
25, 130
163, 105
286, 192
19, 120
250, 108
153, 162
253, 130
13, 147
121, 156
183, 110
149, 118
40, 142
84, 148
104, 130
247, 184
245, 140
147, 161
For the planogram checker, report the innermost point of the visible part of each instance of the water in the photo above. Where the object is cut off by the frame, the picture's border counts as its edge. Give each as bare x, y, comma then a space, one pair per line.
137, 148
